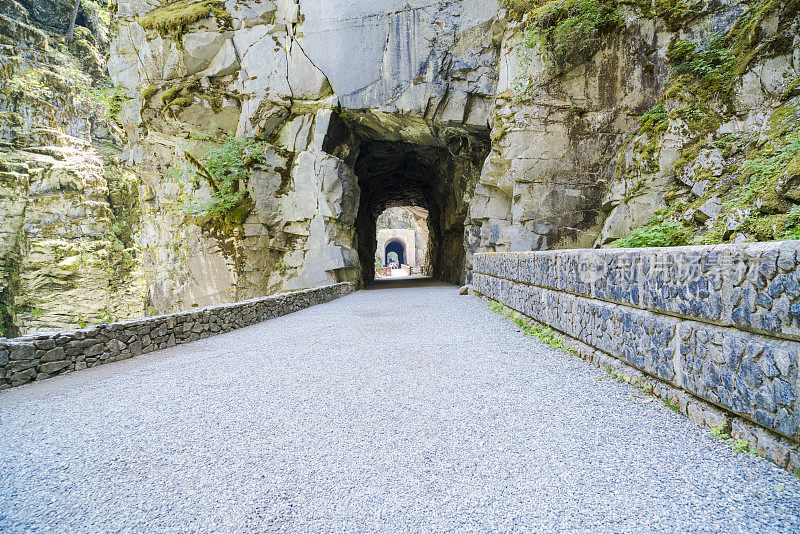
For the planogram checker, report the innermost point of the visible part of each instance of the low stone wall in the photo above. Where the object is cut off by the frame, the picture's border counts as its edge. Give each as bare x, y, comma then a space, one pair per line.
721, 323
41, 356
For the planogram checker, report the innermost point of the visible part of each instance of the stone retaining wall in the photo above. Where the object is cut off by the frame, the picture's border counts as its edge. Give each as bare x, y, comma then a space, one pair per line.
41, 356
719, 322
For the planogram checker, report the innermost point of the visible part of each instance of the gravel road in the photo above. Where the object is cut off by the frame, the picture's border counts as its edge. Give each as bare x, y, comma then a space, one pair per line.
396, 410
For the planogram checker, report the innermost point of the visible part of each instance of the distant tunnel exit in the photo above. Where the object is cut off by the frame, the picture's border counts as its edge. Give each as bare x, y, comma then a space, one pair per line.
398, 248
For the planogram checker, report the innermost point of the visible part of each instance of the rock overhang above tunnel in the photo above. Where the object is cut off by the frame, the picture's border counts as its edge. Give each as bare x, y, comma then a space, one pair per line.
385, 125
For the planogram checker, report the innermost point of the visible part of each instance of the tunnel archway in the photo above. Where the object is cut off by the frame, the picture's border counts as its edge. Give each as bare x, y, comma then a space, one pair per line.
432, 167
438, 178
399, 248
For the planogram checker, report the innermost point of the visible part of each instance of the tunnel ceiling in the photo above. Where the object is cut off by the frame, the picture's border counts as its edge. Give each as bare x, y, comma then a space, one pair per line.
395, 174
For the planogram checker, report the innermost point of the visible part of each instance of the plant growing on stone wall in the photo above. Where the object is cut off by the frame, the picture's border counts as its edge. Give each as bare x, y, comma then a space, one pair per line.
658, 233
225, 169
123, 198
738, 444
109, 99
709, 61
29, 80
80, 321
569, 29
672, 405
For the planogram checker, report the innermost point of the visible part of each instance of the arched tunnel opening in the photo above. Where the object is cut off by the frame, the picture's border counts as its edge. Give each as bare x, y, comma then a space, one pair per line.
398, 249
429, 167
437, 178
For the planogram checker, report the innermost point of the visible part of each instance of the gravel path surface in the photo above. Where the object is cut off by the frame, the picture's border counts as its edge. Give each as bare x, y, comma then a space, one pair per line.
388, 410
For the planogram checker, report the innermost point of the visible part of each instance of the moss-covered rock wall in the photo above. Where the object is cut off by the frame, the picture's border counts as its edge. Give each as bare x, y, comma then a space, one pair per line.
68, 213
642, 124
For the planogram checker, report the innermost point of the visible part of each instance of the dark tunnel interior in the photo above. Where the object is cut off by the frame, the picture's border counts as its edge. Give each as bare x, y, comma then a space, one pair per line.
439, 176
436, 178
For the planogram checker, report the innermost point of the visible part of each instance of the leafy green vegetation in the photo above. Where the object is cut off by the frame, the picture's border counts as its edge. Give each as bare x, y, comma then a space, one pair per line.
546, 335
674, 406
173, 20
570, 30
654, 117
676, 12
80, 321
765, 188
657, 233
543, 333
225, 169
496, 307
759, 188
612, 373
738, 444
718, 61
123, 197
110, 99
709, 62
100, 9
7, 328
768, 185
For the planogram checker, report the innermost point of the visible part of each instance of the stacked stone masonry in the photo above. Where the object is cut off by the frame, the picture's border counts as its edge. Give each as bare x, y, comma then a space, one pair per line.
721, 322
38, 357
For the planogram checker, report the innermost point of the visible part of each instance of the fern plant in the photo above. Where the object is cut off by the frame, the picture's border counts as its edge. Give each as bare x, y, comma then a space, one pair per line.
225, 169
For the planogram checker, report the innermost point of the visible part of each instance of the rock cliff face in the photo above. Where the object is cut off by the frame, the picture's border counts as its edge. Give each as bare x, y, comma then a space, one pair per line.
715, 159
641, 137
68, 214
509, 141
267, 136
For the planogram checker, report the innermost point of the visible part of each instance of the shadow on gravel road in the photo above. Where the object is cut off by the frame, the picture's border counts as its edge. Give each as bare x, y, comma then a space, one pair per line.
405, 282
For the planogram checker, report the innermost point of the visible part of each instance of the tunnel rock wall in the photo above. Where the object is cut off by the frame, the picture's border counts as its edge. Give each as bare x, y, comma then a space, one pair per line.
317, 82
238, 72
359, 106
410, 66
589, 150
556, 133
702, 168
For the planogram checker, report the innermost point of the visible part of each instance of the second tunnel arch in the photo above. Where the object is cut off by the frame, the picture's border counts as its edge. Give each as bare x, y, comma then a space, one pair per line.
399, 248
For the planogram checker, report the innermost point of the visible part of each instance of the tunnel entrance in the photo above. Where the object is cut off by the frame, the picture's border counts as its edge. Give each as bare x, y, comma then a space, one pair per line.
437, 179
403, 238
406, 162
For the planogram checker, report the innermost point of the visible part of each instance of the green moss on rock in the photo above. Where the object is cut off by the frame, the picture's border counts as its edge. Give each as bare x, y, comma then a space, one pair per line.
571, 30
149, 92
174, 19
182, 102
675, 13
171, 94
